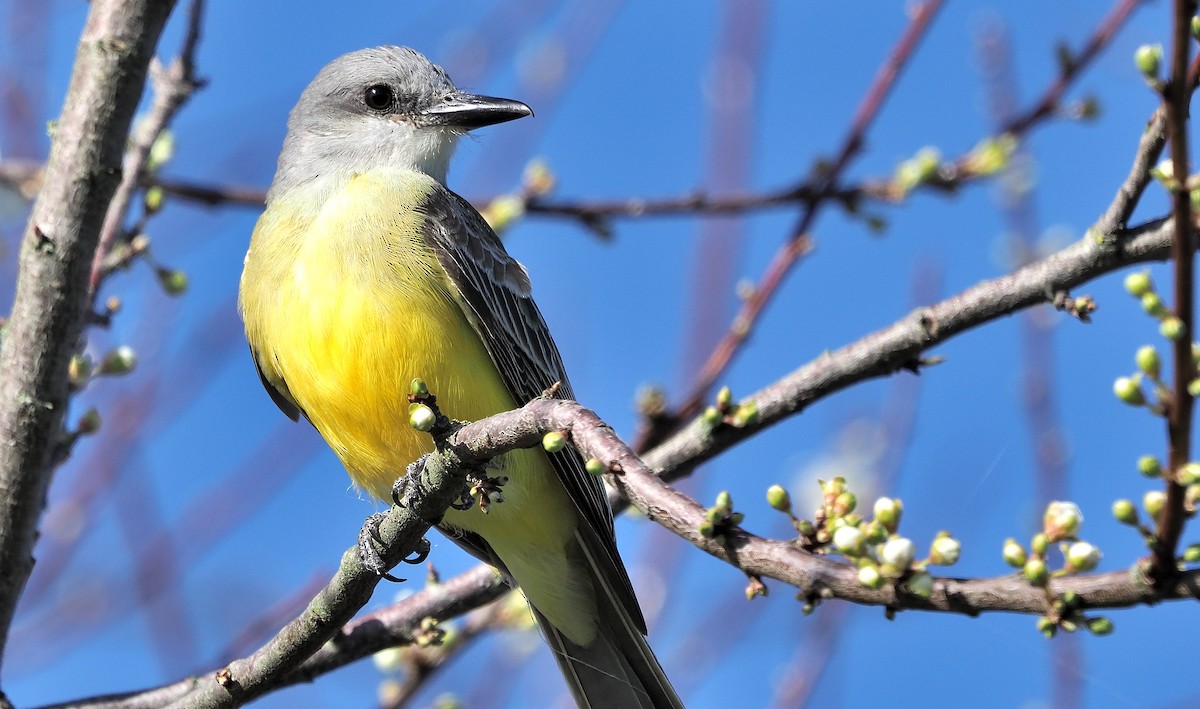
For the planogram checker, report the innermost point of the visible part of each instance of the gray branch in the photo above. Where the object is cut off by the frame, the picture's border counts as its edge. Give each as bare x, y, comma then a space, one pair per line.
48, 311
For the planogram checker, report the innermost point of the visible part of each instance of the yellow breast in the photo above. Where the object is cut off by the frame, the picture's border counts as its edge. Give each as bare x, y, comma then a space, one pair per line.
345, 305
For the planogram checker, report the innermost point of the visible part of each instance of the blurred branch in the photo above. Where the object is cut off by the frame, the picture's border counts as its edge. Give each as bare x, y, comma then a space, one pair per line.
173, 86
51, 299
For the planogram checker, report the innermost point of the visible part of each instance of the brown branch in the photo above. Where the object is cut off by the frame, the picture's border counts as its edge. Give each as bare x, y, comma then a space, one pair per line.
51, 299
173, 86
1176, 98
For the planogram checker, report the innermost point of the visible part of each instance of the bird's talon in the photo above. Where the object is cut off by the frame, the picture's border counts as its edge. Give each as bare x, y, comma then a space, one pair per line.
420, 554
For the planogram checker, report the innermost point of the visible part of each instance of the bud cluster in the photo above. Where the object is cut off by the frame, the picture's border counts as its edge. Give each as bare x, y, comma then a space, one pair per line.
725, 412
875, 546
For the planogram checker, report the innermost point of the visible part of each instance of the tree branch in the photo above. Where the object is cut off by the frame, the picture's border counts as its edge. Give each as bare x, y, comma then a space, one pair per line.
59, 241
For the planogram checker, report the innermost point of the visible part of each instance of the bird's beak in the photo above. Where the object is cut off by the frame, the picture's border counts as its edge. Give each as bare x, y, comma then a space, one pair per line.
469, 111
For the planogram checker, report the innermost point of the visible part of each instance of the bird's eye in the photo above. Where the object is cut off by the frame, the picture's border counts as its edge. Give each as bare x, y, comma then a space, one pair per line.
379, 97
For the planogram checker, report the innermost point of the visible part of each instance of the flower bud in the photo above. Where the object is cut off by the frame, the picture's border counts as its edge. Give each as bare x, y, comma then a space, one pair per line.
595, 467
1039, 543
724, 398
421, 417
1061, 521
779, 499
1153, 502
1129, 390
844, 504
1189, 474
849, 541
418, 388
1139, 284
1014, 553
1082, 556
920, 584
1149, 466
898, 552
870, 577
1148, 361
1153, 305
553, 441
1046, 627
724, 501
1099, 626
89, 423
834, 487
1125, 512
1172, 328
1148, 59
121, 360
1035, 571
1191, 554
945, 549
888, 512
173, 282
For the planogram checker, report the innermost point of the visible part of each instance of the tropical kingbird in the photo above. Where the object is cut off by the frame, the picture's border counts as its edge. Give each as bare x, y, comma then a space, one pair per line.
365, 272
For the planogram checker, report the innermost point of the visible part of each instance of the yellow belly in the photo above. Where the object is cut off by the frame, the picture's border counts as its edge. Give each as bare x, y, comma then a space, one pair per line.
346, 308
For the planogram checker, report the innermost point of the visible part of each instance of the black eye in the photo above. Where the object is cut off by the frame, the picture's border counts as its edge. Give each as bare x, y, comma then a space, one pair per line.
379, 97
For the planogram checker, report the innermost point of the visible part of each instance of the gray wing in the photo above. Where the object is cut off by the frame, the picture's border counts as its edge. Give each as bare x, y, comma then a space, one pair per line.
498, 304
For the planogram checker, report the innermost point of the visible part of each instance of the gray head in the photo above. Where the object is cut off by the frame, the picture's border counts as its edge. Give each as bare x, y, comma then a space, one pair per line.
386, 106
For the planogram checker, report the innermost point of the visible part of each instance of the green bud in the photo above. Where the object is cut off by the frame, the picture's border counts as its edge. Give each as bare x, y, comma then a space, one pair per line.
1172, 328
1148, 59
1125, 512
918, 169
945, 549
834, 487
1189, 474
806, 528
736, 518
1082, 556
89, 423
172, 281
779, 499
711, 416
1062, 520
991, 155
1139, 284
1152, 303
849, 541
745, 414
844, 504
421, 417
724, 501
1191, 554
1070, 599
1148, 361
418, 389
1039, 543
1100, 626
79, 369
1129, 390
707, 529
898, 552
870, 577
1196, 28
1014, 553
1193, 386
888, 512
920, 584
1150, 466
153, 199
120, 360
595, 467
553, 441
161, 150
1153, 502
1046, 627
1035, 572
714, 514
724, 398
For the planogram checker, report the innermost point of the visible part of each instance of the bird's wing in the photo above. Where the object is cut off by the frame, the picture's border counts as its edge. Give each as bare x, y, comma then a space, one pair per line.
495, 296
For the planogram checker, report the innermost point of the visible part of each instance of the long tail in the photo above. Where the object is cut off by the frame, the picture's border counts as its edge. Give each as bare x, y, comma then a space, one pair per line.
617, 669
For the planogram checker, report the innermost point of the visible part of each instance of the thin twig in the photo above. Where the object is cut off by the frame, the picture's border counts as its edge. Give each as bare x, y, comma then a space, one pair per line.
173, 86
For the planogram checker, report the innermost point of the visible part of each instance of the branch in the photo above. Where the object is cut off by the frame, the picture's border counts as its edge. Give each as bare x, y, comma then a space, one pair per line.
52, 294
1176, 98
173, 86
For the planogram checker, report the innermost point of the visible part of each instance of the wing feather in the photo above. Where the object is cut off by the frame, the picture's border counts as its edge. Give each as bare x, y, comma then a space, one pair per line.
495, 296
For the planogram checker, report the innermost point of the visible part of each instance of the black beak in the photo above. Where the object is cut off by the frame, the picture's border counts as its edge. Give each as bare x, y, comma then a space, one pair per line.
470, 111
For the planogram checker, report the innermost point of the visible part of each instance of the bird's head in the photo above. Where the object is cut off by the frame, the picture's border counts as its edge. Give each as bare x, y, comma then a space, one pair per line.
382, 107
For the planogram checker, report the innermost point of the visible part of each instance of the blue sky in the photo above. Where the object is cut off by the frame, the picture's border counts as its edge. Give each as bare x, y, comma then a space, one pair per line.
190, 437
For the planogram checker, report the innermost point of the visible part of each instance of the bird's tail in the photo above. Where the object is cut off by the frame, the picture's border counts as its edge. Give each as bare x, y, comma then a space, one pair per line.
617, 669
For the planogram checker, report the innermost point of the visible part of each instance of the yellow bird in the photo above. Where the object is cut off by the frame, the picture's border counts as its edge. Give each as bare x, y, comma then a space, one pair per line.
365, 272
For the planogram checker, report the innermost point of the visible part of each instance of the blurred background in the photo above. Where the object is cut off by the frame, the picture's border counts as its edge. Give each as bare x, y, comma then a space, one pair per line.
199, 519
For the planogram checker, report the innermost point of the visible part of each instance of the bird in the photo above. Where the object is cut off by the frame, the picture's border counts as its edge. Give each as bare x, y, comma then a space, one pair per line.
365, 272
